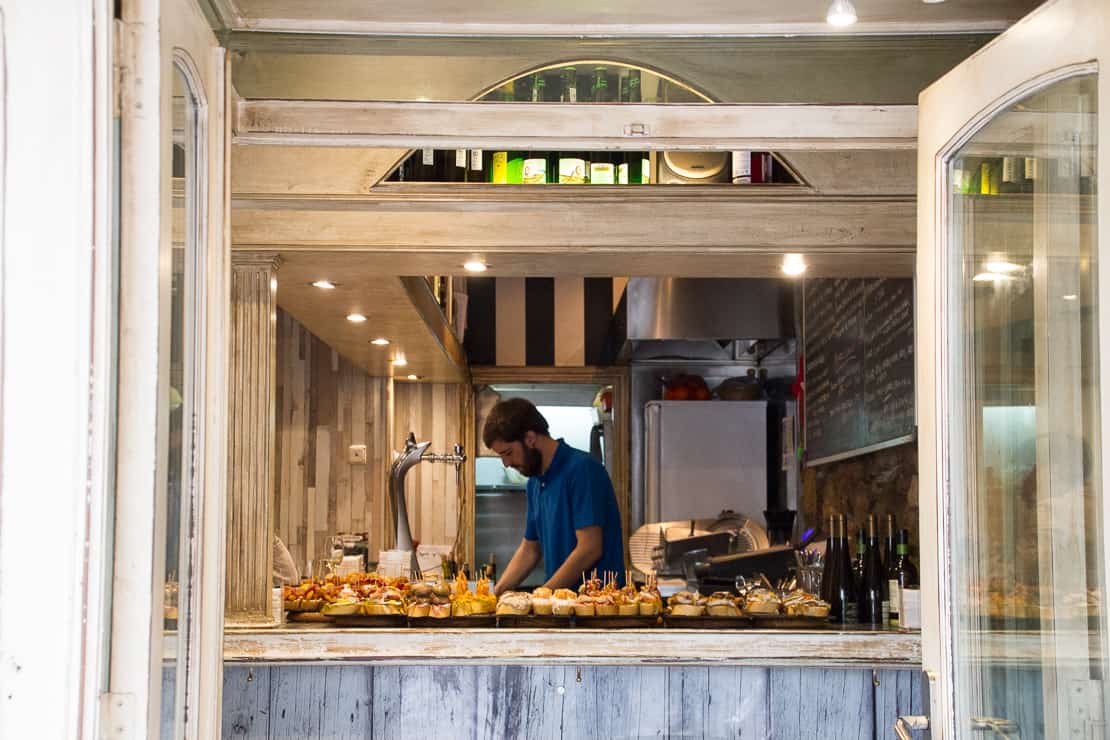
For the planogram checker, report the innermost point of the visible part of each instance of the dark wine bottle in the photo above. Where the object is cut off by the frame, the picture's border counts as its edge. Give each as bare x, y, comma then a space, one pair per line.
1030, 180
600, 89
568, 87
477, 166
889, 546
635, 95
830, 561
902, 575
843, 591
857, 562
458, 173
871, 582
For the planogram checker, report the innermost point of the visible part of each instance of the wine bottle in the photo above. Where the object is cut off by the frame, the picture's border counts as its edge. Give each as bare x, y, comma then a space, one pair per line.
458, 172
600, 89
830, 561
635, 94
857, 562
985, 178
568, 92
871, 582
1030, 181
742, 167
477, 166
902, 575
534, 169
622, 160
645, 169
601, 169
843, 590
1010, 182
889, 546
539, 91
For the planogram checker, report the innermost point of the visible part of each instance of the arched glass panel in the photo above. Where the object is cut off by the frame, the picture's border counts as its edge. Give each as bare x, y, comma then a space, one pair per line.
1026, 539
180, 356
594, 81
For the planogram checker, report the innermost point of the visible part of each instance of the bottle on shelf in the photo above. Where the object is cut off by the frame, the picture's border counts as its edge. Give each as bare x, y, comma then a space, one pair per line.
477, 166
635, 93
498, 167
889, 545
1031, 167
458, 172
602, 170
1011, 177
568, 85
572, 168
599, 90
831, 560
903, 574
491, 568
871, 583
857, 562
742, 168
424, 166
515, 169
534, 168
842, 590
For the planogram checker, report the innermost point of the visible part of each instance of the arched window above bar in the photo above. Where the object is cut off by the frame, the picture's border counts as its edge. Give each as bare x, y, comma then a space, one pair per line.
595, 81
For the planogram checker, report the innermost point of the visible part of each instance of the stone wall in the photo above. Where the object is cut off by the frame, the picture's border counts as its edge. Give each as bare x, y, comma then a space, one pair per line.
883, 482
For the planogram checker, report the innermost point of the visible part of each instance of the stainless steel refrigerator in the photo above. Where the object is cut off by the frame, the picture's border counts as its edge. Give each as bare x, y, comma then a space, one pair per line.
704, 457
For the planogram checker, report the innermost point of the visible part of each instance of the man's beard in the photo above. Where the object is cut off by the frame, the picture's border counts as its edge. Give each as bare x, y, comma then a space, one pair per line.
533, 463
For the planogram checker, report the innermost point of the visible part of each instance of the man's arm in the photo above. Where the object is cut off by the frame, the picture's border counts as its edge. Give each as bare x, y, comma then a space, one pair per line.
524, 560
587, 552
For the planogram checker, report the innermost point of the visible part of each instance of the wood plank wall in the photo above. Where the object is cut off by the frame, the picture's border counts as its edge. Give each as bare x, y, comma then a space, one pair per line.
325, 404
557, 701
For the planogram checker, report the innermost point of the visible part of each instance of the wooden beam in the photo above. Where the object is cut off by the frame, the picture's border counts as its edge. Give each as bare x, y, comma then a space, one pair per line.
576, 220
562, 126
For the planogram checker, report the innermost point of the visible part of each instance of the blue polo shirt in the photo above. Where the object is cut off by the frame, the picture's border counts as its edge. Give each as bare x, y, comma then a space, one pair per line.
573, 493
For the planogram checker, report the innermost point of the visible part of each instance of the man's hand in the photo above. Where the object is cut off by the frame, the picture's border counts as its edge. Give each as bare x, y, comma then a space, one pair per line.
524, 560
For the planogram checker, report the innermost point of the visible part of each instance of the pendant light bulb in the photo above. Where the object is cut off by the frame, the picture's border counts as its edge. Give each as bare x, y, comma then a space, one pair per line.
841, 13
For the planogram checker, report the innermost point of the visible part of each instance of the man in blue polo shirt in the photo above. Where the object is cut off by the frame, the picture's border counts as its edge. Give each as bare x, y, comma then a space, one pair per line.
573, 522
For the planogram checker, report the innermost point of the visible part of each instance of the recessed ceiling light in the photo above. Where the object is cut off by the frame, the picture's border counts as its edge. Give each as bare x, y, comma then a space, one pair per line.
1071, 297
475, 266
380, 341
793, 264
414, 377
932, 2
324, 285
356, 317
991, 277
841, 13
400, 361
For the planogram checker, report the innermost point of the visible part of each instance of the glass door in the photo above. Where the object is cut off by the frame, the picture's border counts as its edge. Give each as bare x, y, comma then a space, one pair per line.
1012, 452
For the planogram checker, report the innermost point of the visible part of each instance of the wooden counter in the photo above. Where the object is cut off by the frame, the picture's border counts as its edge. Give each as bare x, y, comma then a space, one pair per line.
855, 648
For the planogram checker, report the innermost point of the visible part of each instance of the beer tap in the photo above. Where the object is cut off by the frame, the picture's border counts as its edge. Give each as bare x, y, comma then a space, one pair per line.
412, 454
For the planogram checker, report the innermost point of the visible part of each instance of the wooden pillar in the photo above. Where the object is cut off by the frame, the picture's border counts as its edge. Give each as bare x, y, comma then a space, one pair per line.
251, 404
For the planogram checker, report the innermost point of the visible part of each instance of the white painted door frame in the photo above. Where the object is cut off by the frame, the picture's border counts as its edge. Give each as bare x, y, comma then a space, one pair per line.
1061, 34
56, 346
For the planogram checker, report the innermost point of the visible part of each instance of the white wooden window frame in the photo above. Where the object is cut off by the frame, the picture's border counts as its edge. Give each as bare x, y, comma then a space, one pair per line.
1058, 40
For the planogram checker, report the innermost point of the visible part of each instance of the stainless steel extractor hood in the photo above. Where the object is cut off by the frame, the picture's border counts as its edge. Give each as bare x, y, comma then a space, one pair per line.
698, 318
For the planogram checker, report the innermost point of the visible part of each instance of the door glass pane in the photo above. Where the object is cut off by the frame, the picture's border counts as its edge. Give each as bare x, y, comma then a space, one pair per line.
179, 398
1027, 578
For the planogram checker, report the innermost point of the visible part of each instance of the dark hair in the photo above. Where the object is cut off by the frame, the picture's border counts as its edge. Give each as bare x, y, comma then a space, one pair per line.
511, 419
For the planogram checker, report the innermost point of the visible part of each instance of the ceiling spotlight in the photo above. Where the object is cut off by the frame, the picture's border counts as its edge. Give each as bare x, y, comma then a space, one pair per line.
793, 264
324, 285
475, 266
932, 2
380, 341
414, 377
841, 13
400, 362
356, 318
1071, 297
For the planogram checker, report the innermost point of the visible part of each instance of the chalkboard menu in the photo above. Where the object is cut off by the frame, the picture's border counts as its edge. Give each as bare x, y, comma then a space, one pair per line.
859, 368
